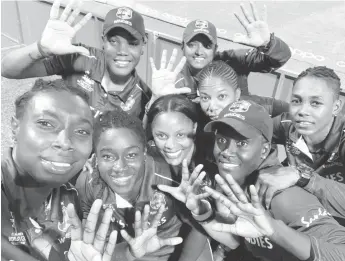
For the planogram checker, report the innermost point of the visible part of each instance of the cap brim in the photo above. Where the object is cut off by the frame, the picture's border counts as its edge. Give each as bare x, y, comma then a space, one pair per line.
190, 37
239, 126
128, 28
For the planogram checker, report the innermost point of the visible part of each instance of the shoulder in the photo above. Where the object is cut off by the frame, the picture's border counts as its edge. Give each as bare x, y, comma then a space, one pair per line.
294, 203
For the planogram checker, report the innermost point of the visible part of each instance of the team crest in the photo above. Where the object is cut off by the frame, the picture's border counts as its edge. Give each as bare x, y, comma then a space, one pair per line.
129, 104
201, 24
240, 106
124, 13
157, 200
291, 148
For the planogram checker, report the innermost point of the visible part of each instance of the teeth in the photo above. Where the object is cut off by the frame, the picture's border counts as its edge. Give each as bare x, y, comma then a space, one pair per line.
121, 180
230, 165
304, 123
122, 63
57, 164
60, 164
173, 154
199, 59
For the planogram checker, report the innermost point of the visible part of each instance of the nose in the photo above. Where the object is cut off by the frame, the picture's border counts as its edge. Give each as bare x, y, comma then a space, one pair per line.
230, 149
170, 143
63, 141
211, 106
122, 48
303, 109
119, 165
199, 49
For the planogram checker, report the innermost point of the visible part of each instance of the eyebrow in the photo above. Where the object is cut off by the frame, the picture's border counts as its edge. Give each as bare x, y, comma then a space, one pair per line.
313, 97
53, 114
111, 150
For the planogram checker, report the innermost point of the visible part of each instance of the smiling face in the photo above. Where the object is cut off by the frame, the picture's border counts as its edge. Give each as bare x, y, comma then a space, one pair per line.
311, 107
53, 137
122, 52
173, 134
199, 51
237, 155
120, 155
215, 95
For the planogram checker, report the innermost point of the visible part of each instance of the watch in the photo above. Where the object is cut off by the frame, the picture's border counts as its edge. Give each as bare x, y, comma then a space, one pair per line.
305, 174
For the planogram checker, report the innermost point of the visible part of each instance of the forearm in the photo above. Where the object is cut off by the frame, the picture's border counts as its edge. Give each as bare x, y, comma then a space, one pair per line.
331, 193
19, 63
296, 243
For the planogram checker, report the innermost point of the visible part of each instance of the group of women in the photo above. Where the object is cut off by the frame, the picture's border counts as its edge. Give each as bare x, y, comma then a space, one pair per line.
100, 152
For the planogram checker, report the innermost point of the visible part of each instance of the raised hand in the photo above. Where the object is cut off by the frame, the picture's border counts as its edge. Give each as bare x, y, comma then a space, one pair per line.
257, 32
86, 243
146, 240
187, 191
58, 34
163, 79
252, 220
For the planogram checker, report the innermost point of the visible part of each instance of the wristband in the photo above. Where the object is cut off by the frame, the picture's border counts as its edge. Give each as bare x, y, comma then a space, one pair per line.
43, 53
206, 217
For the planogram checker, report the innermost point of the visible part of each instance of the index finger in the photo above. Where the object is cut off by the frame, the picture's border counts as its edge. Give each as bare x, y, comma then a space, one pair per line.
236, 189
82, 22
219, 197
54, 11
185, 171
226, 189
76, 229
254, 11
153, 66
195, 173
91, 222
101, 234
180, 65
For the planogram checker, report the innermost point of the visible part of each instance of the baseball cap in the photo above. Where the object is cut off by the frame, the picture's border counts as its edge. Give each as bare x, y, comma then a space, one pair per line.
247, 118
127, 19
200, 27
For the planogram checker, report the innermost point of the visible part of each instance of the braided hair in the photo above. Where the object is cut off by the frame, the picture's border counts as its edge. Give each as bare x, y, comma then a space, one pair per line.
219, 69
323, 73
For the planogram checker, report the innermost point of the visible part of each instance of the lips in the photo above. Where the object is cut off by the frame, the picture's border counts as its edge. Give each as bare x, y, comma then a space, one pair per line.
213, 117
56, 167
173, 155
199, 59
121, 63
303, 124
121, 180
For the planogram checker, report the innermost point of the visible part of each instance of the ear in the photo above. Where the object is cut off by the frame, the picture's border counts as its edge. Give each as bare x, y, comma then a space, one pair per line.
14, 127
237, 94
266, 148
195, 126
337, 106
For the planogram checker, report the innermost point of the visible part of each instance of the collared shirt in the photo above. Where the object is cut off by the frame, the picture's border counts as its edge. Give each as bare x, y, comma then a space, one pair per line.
45, 234
87, 72
91, 187
328, 162
244, 61
303, 212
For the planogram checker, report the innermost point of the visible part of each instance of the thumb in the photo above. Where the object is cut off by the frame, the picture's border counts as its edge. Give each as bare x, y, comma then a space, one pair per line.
80, 50
126, 236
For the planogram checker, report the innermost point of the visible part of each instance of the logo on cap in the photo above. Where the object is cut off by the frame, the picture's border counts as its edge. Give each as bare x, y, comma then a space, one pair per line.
124, 13
240, 106
201, 24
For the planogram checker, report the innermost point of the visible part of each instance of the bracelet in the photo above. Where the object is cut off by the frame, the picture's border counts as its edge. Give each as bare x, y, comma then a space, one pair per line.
43, 53
206, 217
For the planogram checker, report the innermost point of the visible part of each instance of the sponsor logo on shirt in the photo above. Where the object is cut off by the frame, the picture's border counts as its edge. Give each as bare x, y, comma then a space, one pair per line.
308, 221
262, 242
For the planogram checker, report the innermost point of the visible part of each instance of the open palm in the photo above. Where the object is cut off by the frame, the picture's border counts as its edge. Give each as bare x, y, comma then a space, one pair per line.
59, 32
257, 31
163, 79
252, 220
146, 239
86, 243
